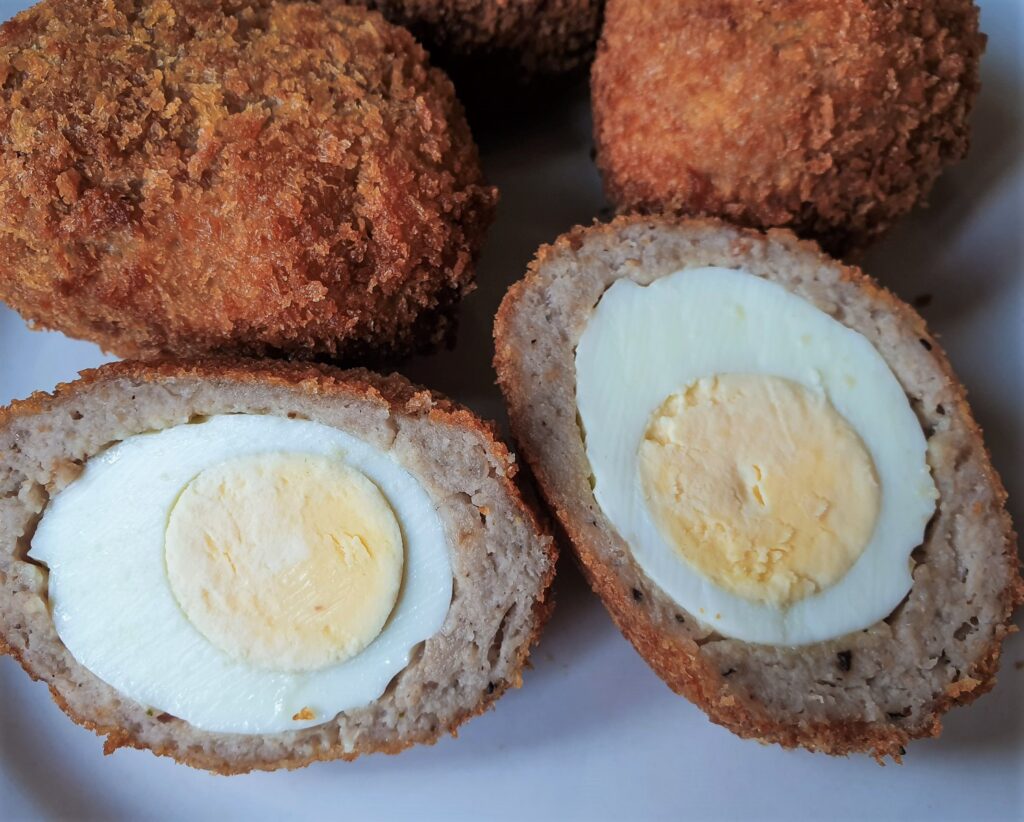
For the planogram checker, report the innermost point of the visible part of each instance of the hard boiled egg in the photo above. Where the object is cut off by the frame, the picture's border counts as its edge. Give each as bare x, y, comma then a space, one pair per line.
758, 457
246, 573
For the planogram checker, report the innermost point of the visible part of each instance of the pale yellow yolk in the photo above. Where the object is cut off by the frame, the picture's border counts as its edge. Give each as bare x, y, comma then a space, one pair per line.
291, 562
760, 484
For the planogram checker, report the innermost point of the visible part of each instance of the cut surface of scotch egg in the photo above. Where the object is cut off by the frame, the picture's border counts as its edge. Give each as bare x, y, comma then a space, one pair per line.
759, 458
245, 573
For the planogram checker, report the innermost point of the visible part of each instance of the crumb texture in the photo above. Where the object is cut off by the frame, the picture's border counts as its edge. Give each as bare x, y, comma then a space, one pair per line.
194, 176
530, 36
830, 117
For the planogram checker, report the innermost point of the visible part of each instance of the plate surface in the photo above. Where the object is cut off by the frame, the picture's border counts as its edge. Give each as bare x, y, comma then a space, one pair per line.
593, 734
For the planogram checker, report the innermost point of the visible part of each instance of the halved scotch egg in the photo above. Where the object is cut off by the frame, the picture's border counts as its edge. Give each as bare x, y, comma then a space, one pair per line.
770, 476
247, 565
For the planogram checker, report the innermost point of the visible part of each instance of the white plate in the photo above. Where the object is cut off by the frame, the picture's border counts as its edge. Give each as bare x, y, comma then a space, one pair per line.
593, 733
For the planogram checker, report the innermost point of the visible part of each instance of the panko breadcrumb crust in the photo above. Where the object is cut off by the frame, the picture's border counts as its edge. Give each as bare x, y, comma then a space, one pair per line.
185, 177
748, 688
399, 399
506, 40
829, 117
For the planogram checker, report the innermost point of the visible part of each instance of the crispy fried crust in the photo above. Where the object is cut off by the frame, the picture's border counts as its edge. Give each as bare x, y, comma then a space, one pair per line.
733, 681
397, 398
830, 117
525, 37
195, 176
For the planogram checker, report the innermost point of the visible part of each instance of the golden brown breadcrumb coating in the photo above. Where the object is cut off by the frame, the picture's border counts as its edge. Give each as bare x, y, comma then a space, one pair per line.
514, 36
830, 117
188, 176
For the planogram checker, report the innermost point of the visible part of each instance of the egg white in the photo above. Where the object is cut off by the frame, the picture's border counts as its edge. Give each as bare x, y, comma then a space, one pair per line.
643, 343
102, 539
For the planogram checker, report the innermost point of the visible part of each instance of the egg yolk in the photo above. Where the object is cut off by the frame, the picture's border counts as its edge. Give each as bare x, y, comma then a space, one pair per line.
290, 562
760, 484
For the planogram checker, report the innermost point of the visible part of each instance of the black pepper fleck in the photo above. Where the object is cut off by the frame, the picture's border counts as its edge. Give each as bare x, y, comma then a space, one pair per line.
903, 751
845, 660
490, 687
730, 672
637, 595
679, 619
927, 345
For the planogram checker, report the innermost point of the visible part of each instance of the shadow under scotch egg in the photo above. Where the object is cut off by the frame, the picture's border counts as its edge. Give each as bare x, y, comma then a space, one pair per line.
911, 261
537, 715
31, 744
536, 162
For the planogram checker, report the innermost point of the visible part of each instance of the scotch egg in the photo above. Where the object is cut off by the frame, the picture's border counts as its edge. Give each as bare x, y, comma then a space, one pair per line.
252, 565
770, 476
